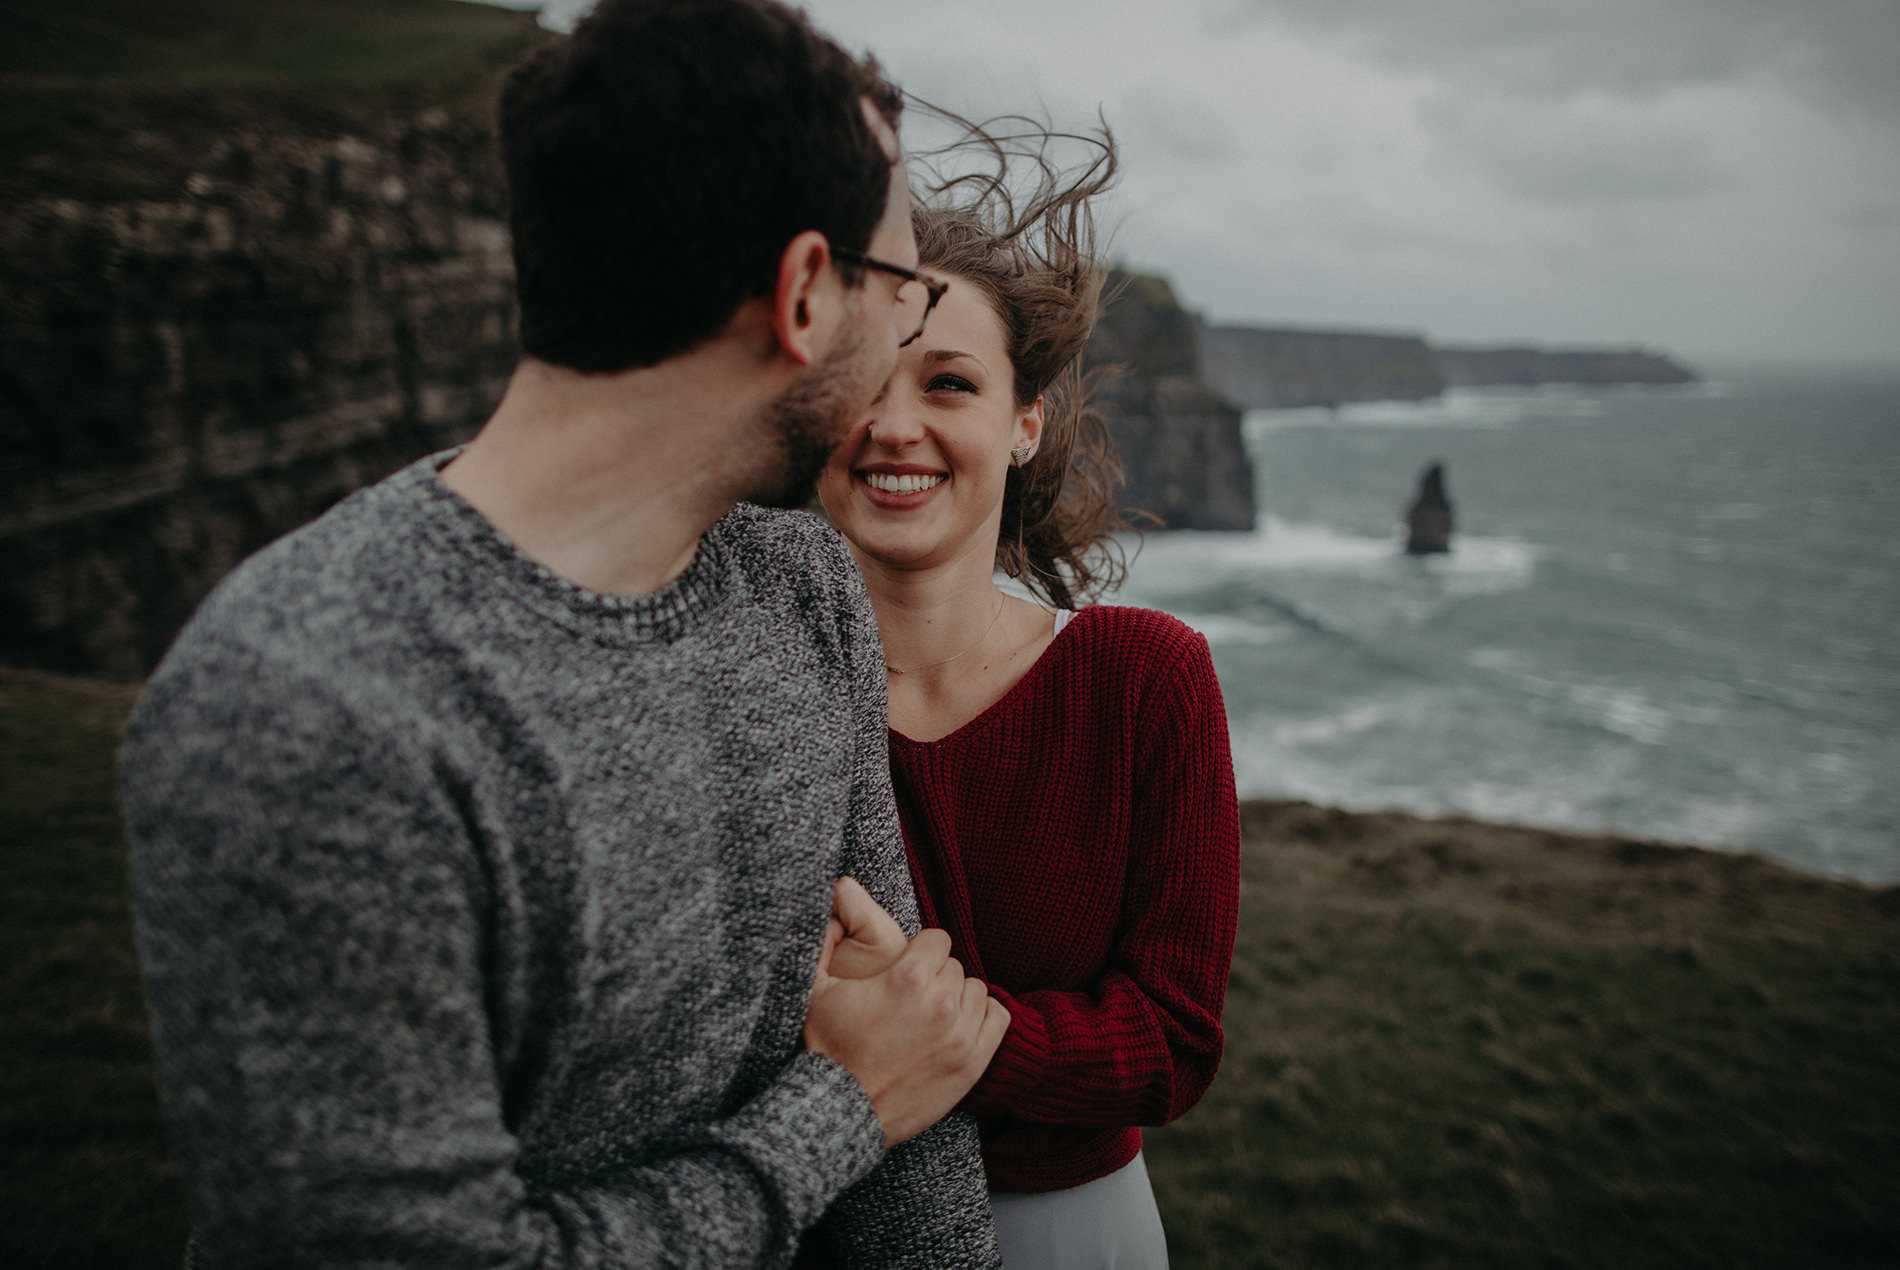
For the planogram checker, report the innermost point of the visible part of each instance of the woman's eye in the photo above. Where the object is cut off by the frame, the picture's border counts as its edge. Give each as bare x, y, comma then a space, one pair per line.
954, 383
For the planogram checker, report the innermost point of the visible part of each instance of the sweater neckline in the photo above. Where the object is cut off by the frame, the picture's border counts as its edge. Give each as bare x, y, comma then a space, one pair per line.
660, 616
983, 718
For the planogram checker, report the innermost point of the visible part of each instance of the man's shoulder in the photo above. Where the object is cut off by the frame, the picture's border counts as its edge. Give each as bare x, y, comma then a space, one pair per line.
798, 575
312, 595
781, 549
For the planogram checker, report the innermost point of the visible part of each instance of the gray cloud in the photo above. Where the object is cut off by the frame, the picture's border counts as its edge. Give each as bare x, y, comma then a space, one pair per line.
1844, 52
1170, 119
1684, 173
1560, 153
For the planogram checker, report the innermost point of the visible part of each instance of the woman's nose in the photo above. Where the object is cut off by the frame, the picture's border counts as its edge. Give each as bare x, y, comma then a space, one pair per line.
894, 422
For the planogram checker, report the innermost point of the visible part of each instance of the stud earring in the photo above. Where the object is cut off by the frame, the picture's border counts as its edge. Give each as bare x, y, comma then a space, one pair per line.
1021, 455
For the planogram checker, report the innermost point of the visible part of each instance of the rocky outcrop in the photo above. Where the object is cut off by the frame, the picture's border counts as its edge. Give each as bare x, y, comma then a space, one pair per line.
1180, 440
1496, 367
1273, 368
183, 380
1428, 520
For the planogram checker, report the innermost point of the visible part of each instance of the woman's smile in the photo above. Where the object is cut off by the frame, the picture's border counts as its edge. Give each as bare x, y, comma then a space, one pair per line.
898, 485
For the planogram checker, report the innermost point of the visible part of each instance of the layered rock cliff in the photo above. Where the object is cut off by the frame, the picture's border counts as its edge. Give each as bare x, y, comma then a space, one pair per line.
1180, 439
182, 380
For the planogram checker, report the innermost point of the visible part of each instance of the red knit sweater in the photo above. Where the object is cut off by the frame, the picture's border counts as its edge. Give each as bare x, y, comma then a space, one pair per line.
1080, 842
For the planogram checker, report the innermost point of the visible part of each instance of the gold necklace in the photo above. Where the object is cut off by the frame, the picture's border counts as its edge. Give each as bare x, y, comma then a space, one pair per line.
932, 665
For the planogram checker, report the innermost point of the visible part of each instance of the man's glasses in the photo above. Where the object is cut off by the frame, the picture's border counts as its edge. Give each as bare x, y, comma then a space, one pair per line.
933, 287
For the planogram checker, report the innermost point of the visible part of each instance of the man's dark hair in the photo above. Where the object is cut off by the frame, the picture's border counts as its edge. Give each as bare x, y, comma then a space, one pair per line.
661, 157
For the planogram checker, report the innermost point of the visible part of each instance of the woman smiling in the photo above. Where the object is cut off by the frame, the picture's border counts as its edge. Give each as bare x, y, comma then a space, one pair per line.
1062, 774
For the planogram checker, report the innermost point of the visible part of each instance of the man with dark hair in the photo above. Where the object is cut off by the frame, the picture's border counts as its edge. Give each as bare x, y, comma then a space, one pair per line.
505, 840
638, 225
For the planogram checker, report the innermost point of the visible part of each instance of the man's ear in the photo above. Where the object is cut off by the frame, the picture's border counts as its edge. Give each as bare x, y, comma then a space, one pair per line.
805, 300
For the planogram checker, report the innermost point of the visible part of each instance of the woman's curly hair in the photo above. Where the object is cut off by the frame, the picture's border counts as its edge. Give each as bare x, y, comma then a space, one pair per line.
1021, 229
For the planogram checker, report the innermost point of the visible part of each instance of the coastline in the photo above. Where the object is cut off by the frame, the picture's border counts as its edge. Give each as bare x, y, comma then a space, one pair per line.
1449, 1041
1663, 615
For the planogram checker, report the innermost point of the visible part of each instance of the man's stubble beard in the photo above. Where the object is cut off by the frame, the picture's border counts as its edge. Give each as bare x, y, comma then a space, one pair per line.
808, 422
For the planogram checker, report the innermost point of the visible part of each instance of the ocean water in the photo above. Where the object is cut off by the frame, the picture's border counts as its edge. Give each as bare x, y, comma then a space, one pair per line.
1668, 612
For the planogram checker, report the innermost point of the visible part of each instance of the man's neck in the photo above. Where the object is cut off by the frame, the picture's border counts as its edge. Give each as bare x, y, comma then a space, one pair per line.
609, 480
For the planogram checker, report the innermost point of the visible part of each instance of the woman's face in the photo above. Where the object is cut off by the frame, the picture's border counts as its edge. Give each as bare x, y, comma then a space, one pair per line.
920, 483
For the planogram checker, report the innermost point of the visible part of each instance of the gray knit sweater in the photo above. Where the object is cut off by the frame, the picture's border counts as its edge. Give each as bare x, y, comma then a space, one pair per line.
479, 912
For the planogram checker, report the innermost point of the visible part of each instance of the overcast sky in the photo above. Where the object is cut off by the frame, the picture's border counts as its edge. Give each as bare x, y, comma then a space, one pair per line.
1716, 178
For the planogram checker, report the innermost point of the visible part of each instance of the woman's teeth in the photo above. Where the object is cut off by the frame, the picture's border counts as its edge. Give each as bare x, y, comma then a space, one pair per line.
901, 484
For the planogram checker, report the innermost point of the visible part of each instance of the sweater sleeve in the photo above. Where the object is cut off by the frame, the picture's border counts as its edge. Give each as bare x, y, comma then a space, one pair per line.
926, 1204
1144, 1044
309, 908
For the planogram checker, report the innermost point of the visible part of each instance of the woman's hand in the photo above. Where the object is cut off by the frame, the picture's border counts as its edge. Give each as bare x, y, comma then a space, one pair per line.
861, 939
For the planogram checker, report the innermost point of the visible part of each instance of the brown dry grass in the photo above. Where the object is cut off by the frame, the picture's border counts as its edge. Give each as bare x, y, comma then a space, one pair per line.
1461, 1044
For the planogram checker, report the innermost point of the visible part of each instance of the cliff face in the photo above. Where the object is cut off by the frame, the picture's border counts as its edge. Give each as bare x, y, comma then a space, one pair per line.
1267, 369
182, 381
1180, 440
1478, 367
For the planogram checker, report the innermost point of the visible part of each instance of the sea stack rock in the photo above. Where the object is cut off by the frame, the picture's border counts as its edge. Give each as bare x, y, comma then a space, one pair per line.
1428, 521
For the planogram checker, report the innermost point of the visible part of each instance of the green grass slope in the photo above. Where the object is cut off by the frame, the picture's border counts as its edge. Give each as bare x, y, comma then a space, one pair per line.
110, 99
1450, 1044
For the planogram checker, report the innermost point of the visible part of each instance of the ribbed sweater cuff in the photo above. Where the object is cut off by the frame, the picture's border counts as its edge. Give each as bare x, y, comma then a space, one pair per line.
1016, 1070
813, 1133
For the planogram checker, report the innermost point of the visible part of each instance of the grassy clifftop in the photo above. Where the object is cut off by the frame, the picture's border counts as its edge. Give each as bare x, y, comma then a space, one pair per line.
1467, 1045
1449, 1044
225, 43
106, 99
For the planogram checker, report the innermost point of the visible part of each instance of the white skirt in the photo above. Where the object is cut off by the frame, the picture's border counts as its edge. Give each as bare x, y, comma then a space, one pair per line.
1108, 1224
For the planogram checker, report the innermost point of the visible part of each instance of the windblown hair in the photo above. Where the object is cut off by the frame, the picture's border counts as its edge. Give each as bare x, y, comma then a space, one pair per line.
1022, 231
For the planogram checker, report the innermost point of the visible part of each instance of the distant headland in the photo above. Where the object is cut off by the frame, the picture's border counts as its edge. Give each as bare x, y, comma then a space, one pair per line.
1178, 386
1264, 368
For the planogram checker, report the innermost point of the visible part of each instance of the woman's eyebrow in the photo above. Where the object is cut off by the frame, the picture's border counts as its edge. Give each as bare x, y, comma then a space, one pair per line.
950, 355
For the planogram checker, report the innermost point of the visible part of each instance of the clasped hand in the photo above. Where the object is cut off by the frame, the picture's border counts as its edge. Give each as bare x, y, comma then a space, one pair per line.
899, 1015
